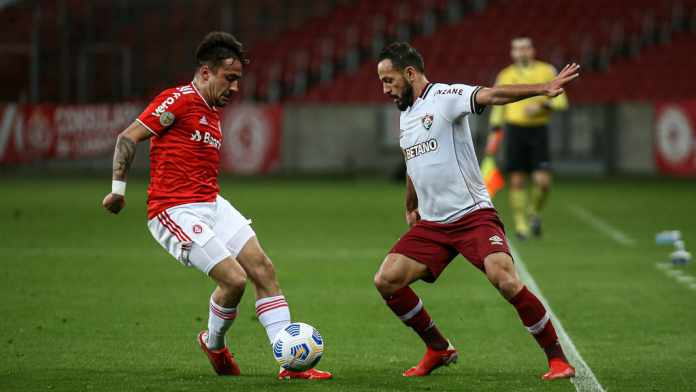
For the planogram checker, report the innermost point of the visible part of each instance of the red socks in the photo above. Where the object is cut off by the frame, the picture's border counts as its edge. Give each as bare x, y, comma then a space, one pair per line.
537, 321
409, 308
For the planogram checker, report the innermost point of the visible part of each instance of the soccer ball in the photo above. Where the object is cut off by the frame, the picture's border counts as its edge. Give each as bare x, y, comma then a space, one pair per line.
298, 347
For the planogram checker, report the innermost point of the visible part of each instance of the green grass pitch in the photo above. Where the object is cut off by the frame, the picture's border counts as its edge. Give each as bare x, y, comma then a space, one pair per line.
90, 302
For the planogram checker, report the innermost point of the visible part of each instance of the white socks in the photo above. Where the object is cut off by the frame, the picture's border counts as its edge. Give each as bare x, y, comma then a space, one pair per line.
219, 321
273, 313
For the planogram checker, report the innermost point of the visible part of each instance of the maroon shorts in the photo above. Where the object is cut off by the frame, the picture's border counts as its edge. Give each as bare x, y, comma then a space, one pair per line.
474, 236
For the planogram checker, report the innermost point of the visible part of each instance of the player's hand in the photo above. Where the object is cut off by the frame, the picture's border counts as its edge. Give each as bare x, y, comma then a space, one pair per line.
114, 203
568, 73
412, 217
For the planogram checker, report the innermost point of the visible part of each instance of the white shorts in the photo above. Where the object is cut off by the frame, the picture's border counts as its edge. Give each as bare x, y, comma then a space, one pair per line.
201, 234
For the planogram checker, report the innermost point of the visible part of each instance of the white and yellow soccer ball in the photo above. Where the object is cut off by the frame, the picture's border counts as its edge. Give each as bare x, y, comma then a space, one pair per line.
298, 347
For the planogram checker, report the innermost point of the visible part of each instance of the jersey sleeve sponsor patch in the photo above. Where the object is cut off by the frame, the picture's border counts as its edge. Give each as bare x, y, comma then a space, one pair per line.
163, 111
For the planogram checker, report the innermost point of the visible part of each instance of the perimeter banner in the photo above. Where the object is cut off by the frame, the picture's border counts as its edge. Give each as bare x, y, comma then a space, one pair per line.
252, 138
29, 133
675, 138
42, 132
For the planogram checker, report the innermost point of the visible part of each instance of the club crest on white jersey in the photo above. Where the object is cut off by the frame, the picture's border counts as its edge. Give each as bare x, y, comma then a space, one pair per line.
427, 121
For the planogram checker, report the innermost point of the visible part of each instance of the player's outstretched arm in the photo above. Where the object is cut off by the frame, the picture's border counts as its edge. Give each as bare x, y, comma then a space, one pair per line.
501, 95
124, 153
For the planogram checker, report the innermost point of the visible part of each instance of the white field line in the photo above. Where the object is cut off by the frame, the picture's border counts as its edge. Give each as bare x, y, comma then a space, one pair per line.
585, 380
600, 225
678, 275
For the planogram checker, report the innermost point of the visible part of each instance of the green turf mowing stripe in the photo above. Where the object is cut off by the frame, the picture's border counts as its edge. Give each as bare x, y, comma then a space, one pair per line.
600, 225
585, 380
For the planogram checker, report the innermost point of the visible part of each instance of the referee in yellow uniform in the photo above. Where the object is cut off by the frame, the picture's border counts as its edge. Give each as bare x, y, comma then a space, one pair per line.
526, 136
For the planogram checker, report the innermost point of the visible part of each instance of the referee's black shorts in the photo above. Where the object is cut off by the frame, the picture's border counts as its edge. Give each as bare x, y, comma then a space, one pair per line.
527, 148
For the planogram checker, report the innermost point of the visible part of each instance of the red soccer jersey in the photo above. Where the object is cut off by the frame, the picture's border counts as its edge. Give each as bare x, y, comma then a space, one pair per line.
184, 151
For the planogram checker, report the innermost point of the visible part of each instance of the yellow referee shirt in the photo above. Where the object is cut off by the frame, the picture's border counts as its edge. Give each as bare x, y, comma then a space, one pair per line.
514, 113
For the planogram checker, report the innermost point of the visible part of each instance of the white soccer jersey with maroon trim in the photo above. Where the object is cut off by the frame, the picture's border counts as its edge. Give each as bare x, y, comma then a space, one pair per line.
440, 159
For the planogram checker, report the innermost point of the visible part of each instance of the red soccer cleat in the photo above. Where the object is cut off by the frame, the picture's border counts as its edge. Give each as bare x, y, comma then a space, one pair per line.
311, 374
223, 362
559, 368
432, 360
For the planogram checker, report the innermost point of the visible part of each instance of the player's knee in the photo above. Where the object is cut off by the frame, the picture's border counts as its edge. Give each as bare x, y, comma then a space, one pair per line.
543, 184
380, 283
509, 285
516, 180
386, 283
500, 271
233, 279
542, 179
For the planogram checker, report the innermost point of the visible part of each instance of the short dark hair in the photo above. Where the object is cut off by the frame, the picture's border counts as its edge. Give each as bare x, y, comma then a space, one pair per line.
402, 55
218, 46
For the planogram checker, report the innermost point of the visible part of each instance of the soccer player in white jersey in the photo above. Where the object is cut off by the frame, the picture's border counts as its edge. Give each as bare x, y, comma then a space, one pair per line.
448, 208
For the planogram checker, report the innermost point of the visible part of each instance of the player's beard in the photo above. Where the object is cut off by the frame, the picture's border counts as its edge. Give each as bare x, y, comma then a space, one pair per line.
223, 100
406, 98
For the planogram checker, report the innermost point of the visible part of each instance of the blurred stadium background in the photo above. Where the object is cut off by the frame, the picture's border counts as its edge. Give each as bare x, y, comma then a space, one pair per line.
91, 65
76, 72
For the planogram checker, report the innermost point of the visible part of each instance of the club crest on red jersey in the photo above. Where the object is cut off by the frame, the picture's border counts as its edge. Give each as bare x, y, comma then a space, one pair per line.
198, 229
427, 121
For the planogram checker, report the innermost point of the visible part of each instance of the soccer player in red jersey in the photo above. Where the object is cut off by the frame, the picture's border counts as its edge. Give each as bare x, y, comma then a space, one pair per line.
186, 214
448, 207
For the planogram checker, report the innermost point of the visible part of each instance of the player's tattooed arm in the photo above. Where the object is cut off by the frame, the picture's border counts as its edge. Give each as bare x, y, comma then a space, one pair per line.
123, 157
124, 153
501, 95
